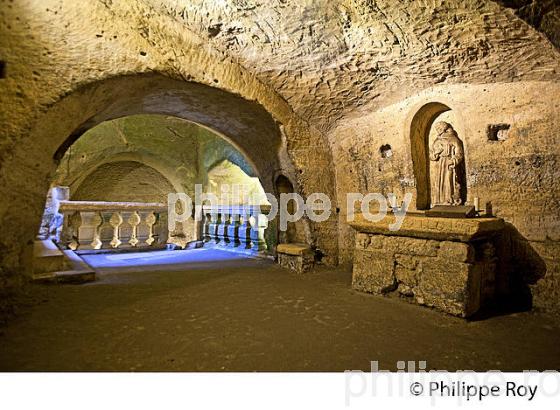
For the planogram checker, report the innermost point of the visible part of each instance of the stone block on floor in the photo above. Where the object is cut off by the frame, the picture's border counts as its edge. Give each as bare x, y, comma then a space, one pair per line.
295, 256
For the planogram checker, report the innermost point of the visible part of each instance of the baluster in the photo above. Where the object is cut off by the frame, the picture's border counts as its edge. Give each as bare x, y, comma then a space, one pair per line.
75, 223
214, 225
223, 228
97, 222
150, 221
244, 230
198, 225
161, 227
220, 228
116, 221
66, 235
216, 220
134, 221
206, 227
71, 230
233, 229
258, 225
106, 231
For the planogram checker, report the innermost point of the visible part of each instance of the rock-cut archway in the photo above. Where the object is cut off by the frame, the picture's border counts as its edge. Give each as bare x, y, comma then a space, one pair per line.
123, 181
246, 124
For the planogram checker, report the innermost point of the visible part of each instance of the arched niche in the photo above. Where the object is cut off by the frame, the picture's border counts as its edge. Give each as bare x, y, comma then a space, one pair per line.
420, 128
298, 231
284, 186
78, 175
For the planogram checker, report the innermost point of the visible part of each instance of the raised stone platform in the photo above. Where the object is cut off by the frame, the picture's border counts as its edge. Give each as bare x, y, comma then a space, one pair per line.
51, 265
47, 257
449, 264
295, 256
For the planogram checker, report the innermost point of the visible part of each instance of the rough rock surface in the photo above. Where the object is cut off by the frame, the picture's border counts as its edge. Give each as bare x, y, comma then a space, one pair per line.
306, 89
328, 58
520, 175
453, 264
544, 15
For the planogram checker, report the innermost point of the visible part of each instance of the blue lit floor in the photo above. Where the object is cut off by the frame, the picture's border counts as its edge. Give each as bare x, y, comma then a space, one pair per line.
161, 260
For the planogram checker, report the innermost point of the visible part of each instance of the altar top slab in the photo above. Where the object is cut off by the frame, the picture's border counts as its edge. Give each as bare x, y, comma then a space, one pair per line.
421, 226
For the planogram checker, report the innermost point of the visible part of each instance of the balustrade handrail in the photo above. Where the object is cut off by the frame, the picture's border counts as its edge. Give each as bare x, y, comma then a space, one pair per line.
92, 206
237, 209
103, 224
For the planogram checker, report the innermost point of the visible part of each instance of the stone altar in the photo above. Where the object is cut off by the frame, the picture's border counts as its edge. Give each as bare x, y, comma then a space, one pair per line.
449, 264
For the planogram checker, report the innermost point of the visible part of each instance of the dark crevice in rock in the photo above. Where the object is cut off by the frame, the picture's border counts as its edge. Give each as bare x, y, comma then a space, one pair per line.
543, 15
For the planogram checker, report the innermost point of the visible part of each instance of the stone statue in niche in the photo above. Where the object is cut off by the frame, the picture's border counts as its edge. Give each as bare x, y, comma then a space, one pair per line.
447, 152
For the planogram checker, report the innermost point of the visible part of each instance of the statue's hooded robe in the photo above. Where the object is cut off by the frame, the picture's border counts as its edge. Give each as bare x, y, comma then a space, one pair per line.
447, 151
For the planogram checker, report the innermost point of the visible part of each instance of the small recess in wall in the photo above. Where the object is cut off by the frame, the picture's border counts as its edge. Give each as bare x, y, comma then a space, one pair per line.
498, 132
2, 69
385, 151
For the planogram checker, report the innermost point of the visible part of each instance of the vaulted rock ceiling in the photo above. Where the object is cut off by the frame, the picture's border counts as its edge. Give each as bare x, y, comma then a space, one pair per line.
328, 58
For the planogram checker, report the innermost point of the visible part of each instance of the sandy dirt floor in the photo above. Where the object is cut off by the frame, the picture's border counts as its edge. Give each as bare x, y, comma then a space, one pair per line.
209, 310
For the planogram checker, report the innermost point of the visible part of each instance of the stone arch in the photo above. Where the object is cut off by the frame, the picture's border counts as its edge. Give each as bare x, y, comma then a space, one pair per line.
419, 131
240, 162
246, 124
118, 181
242, 187
151, 161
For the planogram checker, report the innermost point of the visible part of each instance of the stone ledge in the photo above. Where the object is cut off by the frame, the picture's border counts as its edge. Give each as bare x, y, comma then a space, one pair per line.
72, 276
79, 272
294, 249
420, 226
95, 206
297, 257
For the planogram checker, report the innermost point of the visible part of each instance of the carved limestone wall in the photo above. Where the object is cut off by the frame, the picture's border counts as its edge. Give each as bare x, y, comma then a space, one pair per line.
277, 91
518, 172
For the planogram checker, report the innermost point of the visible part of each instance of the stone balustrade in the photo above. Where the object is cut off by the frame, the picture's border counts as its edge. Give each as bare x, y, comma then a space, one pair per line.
237, 227
112, 225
